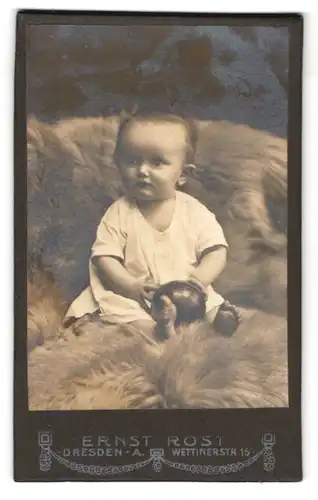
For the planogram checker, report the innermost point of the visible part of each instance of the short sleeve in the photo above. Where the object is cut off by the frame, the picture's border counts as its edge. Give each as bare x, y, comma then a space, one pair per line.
209, 233
111, 235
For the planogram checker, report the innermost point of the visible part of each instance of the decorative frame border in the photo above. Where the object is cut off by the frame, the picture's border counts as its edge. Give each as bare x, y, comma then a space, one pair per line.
157, 459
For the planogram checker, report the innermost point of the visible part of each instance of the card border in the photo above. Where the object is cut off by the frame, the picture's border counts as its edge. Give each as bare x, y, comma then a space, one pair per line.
24, 420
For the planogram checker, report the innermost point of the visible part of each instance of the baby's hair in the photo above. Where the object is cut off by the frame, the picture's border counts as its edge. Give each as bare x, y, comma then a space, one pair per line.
155, 116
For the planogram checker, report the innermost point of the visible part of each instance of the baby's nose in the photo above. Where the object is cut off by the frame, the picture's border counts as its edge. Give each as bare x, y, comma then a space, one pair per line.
143, 169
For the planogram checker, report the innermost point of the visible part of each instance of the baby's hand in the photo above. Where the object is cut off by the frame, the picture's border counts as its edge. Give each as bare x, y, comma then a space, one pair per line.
198, 283
143, 292
147, 291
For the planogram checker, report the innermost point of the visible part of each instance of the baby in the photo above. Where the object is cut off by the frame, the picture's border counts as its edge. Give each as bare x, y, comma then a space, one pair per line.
154, 234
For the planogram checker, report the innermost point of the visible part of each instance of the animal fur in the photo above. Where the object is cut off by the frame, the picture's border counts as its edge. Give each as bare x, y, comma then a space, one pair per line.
242, 177
111, 367
46, 309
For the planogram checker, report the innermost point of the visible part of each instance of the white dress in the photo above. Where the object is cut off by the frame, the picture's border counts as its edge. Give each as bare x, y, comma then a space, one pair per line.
148, 253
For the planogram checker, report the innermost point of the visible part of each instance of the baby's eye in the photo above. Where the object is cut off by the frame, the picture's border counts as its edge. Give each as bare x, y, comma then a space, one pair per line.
131, 160
157, 161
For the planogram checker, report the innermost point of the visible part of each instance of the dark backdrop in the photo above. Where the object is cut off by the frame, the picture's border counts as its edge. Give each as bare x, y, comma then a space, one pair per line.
237, 74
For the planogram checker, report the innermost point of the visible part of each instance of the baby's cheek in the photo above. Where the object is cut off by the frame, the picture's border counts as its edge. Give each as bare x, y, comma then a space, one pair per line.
129, 176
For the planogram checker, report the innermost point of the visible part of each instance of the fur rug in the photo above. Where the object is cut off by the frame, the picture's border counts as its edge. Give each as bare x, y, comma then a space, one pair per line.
109, 368
242, 177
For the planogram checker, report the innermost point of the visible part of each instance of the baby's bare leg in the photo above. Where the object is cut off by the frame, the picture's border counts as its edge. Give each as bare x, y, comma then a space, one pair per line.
210, 315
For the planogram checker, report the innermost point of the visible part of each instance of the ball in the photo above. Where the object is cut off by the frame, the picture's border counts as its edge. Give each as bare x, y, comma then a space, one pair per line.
188, 298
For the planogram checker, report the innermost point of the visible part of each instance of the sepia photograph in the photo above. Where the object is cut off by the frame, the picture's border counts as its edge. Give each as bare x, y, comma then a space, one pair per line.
157, 189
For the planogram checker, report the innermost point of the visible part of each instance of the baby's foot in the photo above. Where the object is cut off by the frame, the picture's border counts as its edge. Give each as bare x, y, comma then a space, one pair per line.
166, 318
228, 319
78, 326
229, 307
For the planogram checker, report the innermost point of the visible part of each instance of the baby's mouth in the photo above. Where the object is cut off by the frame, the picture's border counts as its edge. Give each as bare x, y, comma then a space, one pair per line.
143, 184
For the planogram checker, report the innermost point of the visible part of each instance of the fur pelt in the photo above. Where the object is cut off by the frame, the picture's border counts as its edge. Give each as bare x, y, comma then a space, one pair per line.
46, 308
111, 367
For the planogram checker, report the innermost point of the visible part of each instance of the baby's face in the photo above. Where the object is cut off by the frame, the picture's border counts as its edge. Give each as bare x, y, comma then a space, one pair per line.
151, 159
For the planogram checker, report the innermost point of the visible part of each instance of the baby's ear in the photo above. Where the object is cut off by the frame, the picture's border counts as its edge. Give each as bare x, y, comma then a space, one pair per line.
189, 169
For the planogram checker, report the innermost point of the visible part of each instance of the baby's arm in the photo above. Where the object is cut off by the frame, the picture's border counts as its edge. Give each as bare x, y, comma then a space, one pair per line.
210, 267
211, 246
116, 278
108, 255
